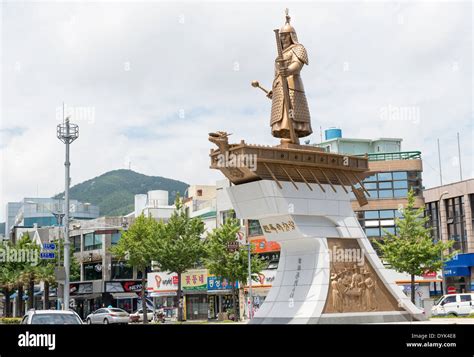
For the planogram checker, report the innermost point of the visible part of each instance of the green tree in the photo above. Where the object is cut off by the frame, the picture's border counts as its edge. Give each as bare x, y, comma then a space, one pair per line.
412, 249
134, 247
16, 272
177, 245
227, 263
45, 273
8, 277
29, 270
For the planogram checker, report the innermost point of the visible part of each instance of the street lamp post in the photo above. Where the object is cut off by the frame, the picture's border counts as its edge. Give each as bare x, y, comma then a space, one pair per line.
440, 233
250, 281
67, 133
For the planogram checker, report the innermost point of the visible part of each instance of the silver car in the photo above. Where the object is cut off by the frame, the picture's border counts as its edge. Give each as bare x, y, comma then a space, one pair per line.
51, 317
109, 315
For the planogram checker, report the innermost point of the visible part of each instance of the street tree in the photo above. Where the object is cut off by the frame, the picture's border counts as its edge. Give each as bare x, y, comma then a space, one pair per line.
8, 277
225, 260
412, 250
29, 269
177, 245
45, 273
134, 248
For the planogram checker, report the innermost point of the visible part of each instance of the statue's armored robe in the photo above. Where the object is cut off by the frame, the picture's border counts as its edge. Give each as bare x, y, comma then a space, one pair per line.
294, 54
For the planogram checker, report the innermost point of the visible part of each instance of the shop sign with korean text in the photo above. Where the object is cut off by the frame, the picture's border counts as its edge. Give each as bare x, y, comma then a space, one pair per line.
194, 280
215, 283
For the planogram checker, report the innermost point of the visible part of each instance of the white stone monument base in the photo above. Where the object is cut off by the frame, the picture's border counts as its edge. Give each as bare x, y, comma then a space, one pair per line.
304, 221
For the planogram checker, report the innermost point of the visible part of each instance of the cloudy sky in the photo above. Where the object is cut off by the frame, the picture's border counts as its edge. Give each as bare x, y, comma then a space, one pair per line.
147, 81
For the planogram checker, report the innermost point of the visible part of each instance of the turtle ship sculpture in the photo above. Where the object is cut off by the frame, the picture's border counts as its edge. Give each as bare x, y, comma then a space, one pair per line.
243, 163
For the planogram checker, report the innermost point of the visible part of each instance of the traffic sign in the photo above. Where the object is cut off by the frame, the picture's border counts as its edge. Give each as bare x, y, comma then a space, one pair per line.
49, 246
47, 255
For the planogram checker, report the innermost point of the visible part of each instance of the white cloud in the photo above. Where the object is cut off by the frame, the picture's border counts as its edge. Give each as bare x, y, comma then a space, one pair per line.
140, 66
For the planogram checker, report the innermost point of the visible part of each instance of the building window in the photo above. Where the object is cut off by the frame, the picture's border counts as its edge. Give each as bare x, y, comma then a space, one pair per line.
393, 184
371, 214
115, 238
372, 232
254, 228
76, 243
456, 223
199, 193
93, 271
471, 199
140, 273
92, 241
227, 214
120, 270
431, 210
378, 223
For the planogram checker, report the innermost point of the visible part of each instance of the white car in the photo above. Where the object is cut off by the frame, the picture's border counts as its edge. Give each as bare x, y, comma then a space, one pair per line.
51, 317
454, 304
137, 316
109, 315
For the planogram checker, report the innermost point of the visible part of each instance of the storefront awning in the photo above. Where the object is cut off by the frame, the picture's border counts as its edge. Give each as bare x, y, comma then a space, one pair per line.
459, 265
85, 296
163, 293
195, 292
424, 281
124, 295
220, 292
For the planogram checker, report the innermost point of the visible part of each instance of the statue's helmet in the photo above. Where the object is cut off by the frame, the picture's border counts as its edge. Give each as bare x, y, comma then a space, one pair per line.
287, 28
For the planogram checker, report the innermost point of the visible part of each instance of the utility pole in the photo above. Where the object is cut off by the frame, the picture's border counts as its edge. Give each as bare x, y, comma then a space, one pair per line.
459, 155
439, 162
67, 133
440, 235
250, 282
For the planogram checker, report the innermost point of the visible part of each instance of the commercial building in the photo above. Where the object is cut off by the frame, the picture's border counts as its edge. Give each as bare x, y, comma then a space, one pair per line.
451, 211
44, 212
395, 172
201, 202
104, 279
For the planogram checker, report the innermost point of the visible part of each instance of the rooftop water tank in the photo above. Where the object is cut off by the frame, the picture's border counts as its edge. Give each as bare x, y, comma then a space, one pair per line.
157, 198
332, 133
140, 204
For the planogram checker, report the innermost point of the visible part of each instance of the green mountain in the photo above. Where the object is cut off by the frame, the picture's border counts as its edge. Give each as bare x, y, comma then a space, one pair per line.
114, 191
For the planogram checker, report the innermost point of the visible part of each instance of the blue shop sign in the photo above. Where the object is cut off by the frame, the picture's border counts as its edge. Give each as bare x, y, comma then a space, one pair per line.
217, 283
457, 271
460, 265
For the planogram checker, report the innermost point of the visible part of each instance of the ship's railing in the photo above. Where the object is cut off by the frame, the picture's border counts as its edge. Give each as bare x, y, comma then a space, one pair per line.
401, 155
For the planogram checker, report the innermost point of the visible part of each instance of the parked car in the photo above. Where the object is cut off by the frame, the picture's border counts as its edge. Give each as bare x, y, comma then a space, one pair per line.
454, 304
51, 317
137, 316
109, 315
